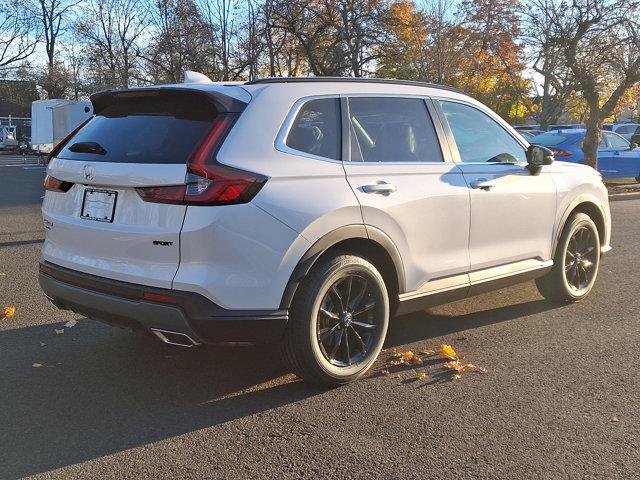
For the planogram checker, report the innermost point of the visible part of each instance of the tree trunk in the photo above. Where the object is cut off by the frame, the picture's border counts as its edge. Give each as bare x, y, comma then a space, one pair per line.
591, 141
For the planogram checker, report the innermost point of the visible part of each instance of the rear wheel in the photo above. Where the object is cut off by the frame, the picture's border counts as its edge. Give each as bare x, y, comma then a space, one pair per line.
338, 323
576, 262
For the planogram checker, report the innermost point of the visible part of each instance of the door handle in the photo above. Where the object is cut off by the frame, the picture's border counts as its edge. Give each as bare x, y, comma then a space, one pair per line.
382, 187
482, 184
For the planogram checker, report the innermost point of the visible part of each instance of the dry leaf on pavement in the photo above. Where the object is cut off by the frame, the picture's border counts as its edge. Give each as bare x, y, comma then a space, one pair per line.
405, 358
37, 365
8, 312
427, 353
59, 331
71, 324
447, 351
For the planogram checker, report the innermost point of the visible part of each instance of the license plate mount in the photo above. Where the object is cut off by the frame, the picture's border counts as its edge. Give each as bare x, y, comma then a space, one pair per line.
99, 205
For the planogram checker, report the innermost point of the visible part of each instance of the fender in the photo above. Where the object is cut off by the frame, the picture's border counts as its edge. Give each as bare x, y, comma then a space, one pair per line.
580, 199
332, 238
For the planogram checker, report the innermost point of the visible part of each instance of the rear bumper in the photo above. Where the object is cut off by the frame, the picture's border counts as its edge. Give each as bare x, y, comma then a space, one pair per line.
187, 313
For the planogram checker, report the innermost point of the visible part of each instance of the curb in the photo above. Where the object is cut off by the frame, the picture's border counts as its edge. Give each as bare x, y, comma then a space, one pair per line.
616, 197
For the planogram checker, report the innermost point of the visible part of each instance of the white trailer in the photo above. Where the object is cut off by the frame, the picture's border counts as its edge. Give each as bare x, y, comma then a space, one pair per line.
52, 120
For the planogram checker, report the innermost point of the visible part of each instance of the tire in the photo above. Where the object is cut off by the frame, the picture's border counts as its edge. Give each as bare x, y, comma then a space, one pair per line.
337, 345
576, 262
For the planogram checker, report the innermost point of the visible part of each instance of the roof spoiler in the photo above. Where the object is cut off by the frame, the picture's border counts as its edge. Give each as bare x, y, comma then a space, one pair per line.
223, 103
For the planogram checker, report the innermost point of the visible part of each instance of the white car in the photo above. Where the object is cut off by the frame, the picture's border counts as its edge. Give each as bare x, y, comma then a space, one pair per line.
306, 211
627, 130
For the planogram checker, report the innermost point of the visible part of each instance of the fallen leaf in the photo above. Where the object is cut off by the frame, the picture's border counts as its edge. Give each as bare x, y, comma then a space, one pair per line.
459, 367
37, 365
42, 344
428, 353
59, 331
71, 324
3, 274
447, 351
615, 419
8, 312
422, 376
406, 358
384, 372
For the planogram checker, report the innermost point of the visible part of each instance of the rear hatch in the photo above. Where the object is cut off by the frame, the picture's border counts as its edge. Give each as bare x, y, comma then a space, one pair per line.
115, 188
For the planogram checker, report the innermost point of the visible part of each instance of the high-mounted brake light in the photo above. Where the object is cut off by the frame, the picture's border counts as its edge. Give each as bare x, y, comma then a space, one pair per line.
209, 182
61, 144
54, 185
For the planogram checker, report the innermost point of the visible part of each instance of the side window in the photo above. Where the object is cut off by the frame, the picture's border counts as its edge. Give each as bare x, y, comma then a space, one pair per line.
615, 141
480, 138
387, 129
316, 129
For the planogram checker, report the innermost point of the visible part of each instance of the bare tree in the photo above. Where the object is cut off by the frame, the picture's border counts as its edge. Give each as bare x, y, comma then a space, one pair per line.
18, 34
361, 31
441, 22
547, 59
180, 42
111, 29
600, 45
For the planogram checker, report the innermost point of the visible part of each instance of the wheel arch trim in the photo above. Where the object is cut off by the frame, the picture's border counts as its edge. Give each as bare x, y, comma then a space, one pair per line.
586, 198
324, 243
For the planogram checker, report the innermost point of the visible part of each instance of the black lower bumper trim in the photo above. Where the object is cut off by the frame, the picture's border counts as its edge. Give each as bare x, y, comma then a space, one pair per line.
124, 304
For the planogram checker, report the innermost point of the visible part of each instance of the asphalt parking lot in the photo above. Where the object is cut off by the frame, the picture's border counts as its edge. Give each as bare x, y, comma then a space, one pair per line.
559, 399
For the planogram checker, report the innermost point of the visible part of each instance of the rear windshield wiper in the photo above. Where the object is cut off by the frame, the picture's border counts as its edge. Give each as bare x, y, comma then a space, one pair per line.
88, 147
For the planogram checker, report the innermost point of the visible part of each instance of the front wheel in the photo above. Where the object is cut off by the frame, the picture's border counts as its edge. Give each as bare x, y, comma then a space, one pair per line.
576, 262
339, 321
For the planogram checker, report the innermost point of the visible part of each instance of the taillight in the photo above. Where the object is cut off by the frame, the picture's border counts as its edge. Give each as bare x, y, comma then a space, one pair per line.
60, 145
562, 153
209, 182
54, 185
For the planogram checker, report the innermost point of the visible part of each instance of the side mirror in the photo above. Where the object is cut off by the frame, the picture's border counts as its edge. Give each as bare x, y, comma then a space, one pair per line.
537, 157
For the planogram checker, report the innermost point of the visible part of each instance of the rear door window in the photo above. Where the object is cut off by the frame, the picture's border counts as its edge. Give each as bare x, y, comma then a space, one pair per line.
159, 129
316, 129
387, 129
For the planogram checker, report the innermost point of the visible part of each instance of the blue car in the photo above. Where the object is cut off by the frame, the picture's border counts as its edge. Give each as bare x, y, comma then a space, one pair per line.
617, 158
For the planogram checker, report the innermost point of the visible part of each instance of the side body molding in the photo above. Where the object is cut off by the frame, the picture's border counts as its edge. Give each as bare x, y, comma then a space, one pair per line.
332, 238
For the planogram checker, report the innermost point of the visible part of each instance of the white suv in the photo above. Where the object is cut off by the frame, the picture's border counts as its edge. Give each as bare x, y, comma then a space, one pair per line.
306, 211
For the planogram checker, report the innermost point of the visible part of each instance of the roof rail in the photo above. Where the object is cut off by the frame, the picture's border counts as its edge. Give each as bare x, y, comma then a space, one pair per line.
412, 83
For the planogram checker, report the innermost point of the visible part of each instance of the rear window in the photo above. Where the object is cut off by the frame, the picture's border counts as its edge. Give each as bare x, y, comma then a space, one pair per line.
549, 139
316, 129
158, 128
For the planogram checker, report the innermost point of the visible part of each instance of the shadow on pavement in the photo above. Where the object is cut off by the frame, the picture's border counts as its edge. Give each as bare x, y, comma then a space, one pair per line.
423, 325
104, 390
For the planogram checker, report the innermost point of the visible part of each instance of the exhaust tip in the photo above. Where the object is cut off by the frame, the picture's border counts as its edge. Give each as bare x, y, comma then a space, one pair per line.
175, 338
